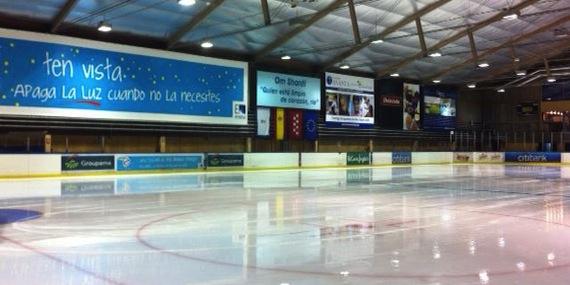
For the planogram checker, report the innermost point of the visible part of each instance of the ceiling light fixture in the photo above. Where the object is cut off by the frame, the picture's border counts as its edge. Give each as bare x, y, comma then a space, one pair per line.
378, 41
104, 27
561, 32
516, 59
471, 85
345, 66
436, 81
483, 64
520, 72
395, 75
286, 57
551, 79
511, 16
186, 2
501, 90
206, 44
435, 54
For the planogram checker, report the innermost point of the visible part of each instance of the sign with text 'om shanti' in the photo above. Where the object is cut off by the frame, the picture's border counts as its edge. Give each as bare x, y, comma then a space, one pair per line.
288, 91
45, 75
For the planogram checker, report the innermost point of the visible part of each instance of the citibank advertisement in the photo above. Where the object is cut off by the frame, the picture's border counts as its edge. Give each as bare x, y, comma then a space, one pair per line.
532, 157
159, 162
55, 76
349, 101
288, 91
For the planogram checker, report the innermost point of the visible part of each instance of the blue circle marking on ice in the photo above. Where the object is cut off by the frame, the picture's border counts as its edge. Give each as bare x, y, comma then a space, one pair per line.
8, 216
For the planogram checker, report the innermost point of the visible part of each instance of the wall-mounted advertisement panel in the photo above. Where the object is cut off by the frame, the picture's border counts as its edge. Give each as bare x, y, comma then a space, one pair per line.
349, 101
54, 76
556, 92
389, 109
533, 157
288, 91
134, 162
439, 107
87, 162
412, 98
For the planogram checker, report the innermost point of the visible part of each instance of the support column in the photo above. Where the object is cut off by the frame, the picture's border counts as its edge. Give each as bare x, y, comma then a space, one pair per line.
248, 143
102, 144
370, 145
162, 144
316, 145
47, 143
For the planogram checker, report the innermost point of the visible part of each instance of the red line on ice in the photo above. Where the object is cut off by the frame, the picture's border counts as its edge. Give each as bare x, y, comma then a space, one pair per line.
62, 261
147, 244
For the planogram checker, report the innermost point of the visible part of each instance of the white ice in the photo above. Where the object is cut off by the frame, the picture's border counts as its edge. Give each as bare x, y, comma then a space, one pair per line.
480, 224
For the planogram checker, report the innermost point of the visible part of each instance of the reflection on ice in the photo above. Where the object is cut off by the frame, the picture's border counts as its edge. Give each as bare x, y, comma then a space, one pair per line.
479, 224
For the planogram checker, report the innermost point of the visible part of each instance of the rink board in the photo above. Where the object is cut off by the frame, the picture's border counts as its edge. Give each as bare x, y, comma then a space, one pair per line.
36, 165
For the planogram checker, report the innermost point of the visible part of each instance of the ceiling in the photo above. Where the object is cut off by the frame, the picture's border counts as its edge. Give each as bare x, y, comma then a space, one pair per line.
239, 26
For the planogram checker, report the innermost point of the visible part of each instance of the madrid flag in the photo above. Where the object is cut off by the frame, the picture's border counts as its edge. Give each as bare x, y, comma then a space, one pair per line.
294, 124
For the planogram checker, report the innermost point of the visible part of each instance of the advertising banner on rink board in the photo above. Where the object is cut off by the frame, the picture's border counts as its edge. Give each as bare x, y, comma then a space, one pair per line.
532, 157
288, 91
401, 158
411, 105
358, 158
143, 162
87, 162
224, 160
55, 76
488, 157
349, 101
87, 188
462, 157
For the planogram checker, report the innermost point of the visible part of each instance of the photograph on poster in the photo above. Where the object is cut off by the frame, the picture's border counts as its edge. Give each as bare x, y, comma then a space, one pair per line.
349, 105
349, 100
411, 107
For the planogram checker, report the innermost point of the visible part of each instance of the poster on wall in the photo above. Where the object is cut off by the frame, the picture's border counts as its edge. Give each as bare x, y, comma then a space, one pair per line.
54, 76
288, 91
527, 109
389, 110
263, 121
349, 101
411, 107
439, 107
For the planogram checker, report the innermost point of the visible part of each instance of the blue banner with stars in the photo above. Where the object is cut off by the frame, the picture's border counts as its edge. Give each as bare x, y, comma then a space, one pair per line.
45, 75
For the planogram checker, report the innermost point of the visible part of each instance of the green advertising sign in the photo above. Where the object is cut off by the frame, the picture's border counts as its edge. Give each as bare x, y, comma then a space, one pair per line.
358, 158
225, 160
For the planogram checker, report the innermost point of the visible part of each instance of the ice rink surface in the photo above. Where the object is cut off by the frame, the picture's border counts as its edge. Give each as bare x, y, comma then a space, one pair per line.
436, 225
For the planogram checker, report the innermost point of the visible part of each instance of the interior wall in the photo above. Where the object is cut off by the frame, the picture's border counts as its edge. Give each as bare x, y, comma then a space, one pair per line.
498, 110
469, 109
205, 144
561, 106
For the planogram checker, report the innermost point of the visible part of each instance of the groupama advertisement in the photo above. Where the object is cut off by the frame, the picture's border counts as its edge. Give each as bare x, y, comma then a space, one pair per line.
86, 162
46, 75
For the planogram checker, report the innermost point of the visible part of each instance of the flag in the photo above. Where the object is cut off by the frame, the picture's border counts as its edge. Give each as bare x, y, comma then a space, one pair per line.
263, 119
294, 124
310, 125
279, 123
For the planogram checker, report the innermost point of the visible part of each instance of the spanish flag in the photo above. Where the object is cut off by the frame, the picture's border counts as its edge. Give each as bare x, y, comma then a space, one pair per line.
279, 124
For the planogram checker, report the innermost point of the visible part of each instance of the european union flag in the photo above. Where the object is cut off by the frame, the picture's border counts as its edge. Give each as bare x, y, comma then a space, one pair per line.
310, 119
